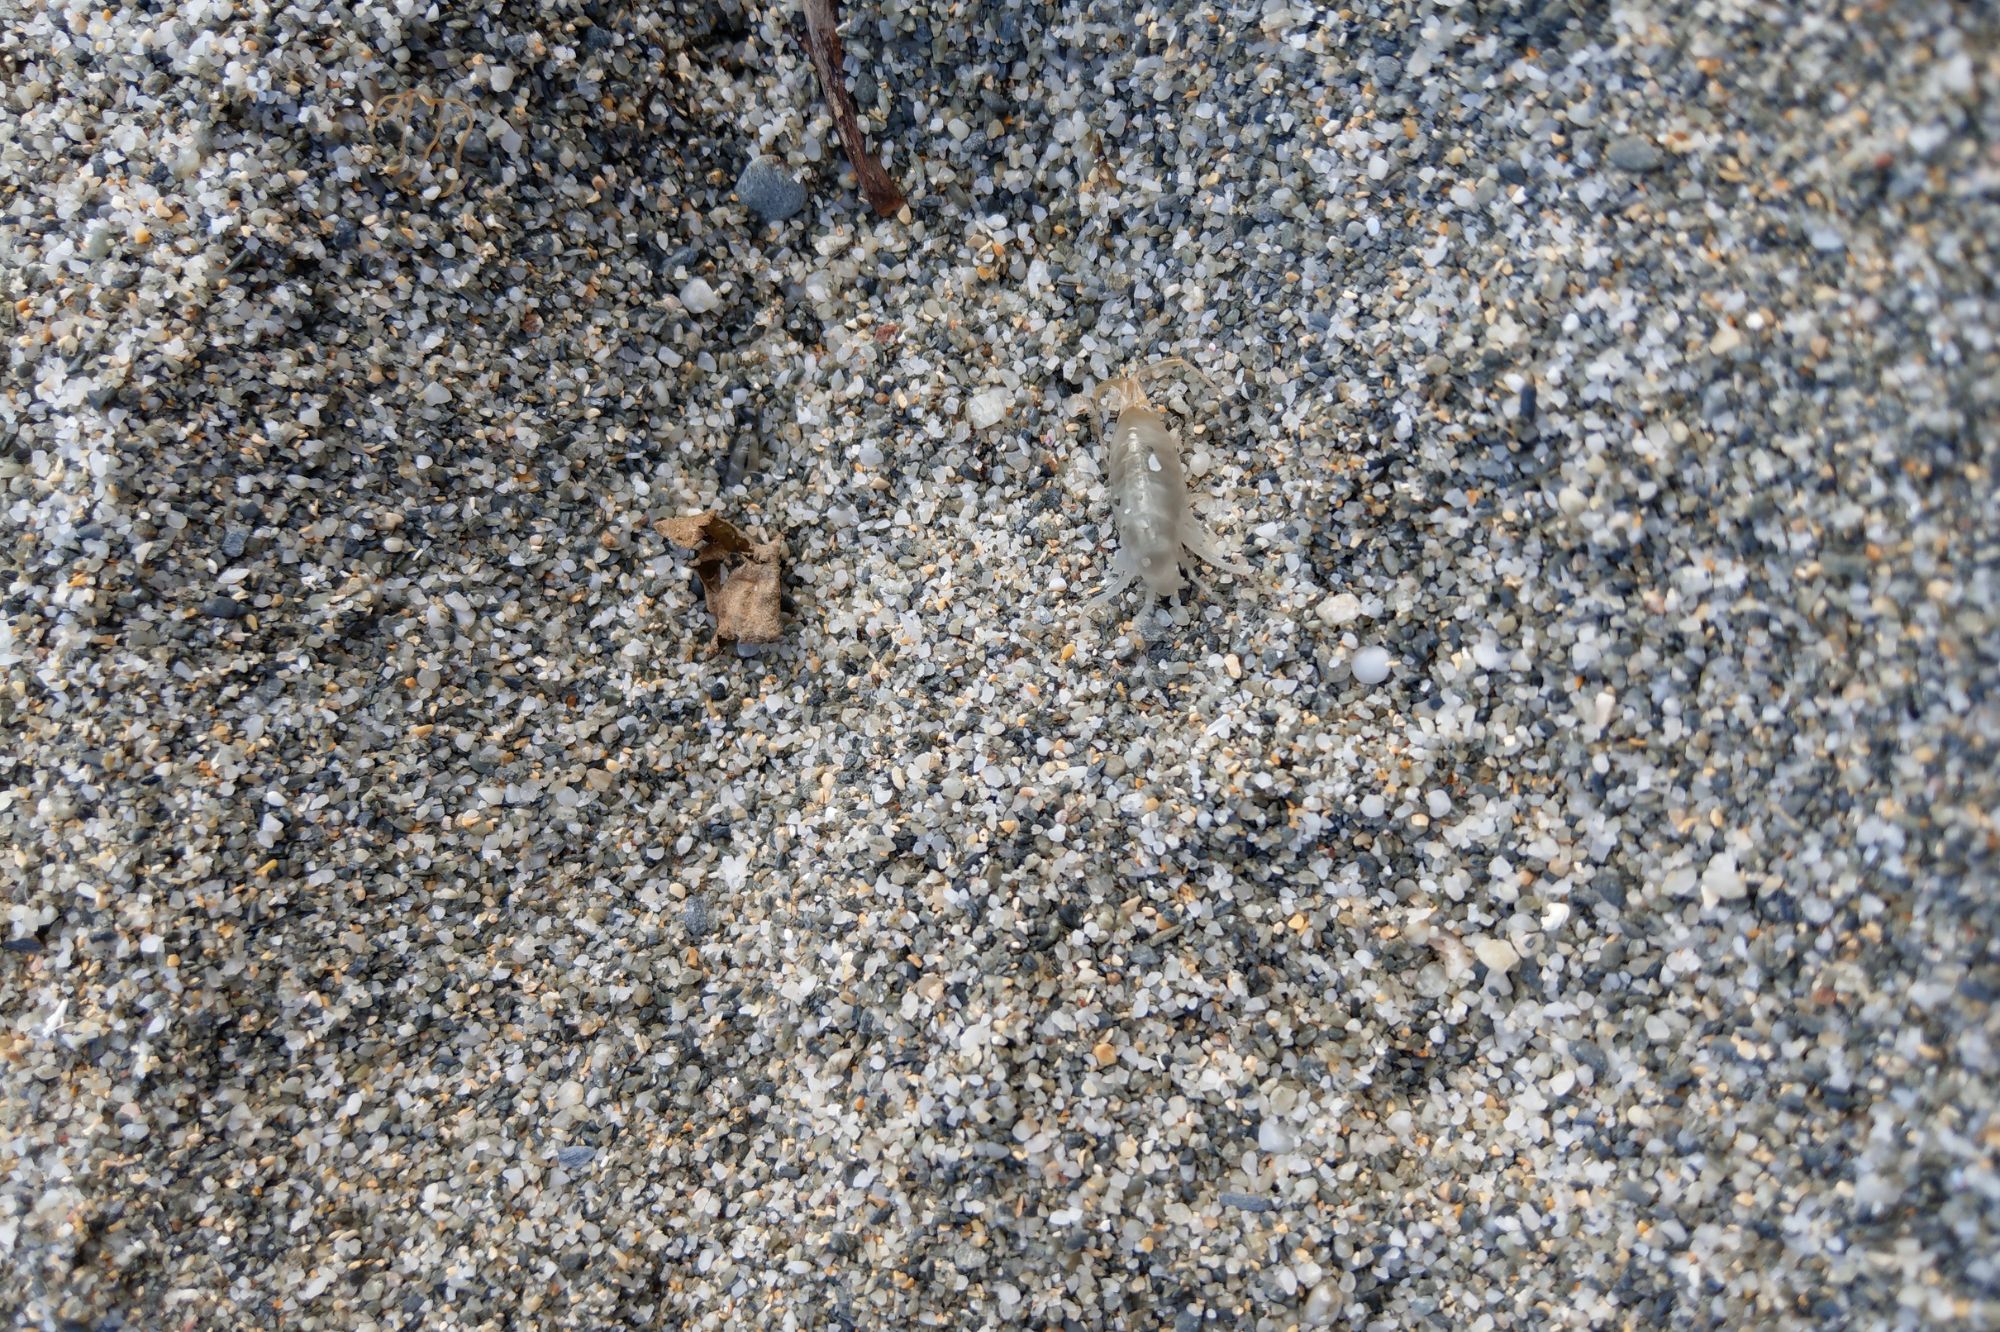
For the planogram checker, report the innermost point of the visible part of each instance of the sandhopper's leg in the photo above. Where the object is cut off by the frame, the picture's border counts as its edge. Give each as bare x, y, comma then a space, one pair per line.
1209, 546
1123, 571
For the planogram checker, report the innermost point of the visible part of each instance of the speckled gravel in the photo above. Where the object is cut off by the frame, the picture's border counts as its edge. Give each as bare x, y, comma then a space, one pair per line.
1557, 890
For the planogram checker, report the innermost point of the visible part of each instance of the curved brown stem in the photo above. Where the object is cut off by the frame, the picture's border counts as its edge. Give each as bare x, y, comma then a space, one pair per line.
823, 43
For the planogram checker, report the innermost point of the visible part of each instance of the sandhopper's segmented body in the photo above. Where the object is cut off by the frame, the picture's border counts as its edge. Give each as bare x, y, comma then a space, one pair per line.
1149, 498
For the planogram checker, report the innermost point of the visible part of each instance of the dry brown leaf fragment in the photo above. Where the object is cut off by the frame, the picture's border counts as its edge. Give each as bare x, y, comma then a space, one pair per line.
739, 577
709, 535
746, 608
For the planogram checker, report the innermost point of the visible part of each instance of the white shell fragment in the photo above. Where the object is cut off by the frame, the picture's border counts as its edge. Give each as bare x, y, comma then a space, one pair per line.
1498, 955
699, 297
988, 409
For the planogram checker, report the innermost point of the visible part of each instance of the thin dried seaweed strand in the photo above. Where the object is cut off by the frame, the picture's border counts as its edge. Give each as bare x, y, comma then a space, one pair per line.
399, 108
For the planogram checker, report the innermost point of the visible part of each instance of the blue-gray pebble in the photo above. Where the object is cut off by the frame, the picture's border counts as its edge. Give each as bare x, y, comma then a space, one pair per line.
769, 191
1632, 153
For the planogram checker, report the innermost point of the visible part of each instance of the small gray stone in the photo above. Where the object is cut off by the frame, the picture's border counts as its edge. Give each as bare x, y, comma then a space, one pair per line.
697, 917
1247, 1202
1633, 153
224, 608
769, 191
233, 542
575, 1158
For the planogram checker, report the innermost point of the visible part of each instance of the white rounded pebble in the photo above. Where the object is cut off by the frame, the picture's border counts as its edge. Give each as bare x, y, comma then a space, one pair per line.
986, 409
1498, 955
1373, 806
1721, 881
501, 78
699, 297
1438, 803
1371, 665
1340, 608
1276, 1137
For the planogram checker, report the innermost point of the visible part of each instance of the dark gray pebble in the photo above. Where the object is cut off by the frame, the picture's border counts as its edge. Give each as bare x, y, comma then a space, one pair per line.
769, 191
224, 608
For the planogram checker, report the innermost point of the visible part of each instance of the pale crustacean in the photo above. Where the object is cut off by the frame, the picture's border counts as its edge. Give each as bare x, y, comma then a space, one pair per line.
1149, 499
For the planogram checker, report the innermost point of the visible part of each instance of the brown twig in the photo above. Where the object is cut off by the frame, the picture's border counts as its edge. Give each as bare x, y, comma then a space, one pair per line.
823, 42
